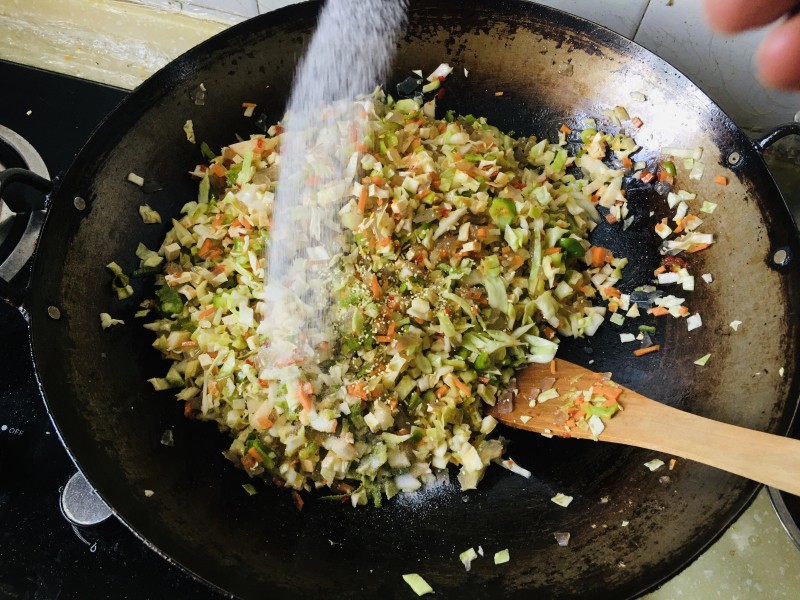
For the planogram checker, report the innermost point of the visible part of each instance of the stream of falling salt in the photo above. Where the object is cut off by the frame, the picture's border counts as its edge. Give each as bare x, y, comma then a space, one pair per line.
349, 54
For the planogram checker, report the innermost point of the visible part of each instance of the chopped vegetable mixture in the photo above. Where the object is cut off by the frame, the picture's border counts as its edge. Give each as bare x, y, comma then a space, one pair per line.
464, 257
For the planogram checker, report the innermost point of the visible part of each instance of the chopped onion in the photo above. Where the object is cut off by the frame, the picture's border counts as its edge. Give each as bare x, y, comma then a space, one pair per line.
467, 557
562, 538
697, 170
562, 499
735, 325
655, 464
694, 321
418, 584
694, 153
502, 557
135, 179
512, 466
701, 362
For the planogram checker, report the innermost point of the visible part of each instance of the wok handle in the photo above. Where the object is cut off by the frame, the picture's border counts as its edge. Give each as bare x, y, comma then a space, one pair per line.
781, 131
35, 206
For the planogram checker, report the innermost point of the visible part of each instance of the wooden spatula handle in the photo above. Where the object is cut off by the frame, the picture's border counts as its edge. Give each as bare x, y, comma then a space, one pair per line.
769, 459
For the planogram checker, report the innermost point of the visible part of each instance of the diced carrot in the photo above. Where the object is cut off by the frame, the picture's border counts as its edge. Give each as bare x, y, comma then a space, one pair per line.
286, 362
218, 220
298, 499
637, 122
303, 392
613, 306
205, 248
612, 291
218, 170
553, 250
255, 454
611, 393
648, 350
375, 287
697, 248
627, 162
463, 387
383, 339
659, 270
362, 199
663, 175
517, 261
570, 423
683, 310
188, 410
553, 369
610, 218
248, 104
721, 180
391, 329
357, 390
377, 179
658, 311
598, 255
481, 232
263, 383
441, 391
565, 129
206, 313
647, 176
189, 344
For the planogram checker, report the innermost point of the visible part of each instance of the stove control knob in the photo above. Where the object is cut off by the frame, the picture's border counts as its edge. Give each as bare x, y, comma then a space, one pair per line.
80, 504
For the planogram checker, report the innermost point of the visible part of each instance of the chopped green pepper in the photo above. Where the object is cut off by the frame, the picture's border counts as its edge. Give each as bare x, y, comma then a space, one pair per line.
170, 301
503, 211
572, 246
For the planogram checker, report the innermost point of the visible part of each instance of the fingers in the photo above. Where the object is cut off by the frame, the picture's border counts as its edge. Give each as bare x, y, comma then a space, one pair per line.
731, 16
778, 58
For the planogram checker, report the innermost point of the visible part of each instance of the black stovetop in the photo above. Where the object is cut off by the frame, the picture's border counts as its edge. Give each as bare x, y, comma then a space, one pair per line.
43, 556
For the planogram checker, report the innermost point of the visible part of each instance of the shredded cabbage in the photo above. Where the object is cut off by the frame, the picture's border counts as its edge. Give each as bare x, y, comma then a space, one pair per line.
437, 305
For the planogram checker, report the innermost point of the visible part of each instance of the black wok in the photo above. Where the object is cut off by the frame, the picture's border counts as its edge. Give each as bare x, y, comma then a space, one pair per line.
552, 68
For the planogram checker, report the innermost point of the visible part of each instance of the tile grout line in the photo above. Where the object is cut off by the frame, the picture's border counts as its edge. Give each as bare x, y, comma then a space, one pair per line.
641, 20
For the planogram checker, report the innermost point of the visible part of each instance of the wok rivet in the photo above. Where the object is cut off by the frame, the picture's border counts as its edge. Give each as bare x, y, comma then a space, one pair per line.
734, 158
79, 203
781, 257
53, 312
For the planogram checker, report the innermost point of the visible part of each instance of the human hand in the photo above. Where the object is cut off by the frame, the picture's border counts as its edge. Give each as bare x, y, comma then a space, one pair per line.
778, 57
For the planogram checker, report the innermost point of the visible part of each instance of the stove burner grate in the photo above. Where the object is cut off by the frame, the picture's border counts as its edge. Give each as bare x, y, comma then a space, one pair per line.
18, 231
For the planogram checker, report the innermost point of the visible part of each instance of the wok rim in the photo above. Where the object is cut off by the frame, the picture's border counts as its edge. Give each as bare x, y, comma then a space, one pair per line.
176, 71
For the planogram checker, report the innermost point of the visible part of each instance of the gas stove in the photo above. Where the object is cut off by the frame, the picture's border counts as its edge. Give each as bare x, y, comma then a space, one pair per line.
48, 550
49, 547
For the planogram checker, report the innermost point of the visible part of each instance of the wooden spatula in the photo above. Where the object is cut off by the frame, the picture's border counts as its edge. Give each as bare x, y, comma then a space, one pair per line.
769, 459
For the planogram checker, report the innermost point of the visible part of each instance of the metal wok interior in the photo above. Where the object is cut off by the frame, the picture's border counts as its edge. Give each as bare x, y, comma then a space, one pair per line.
551, 68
